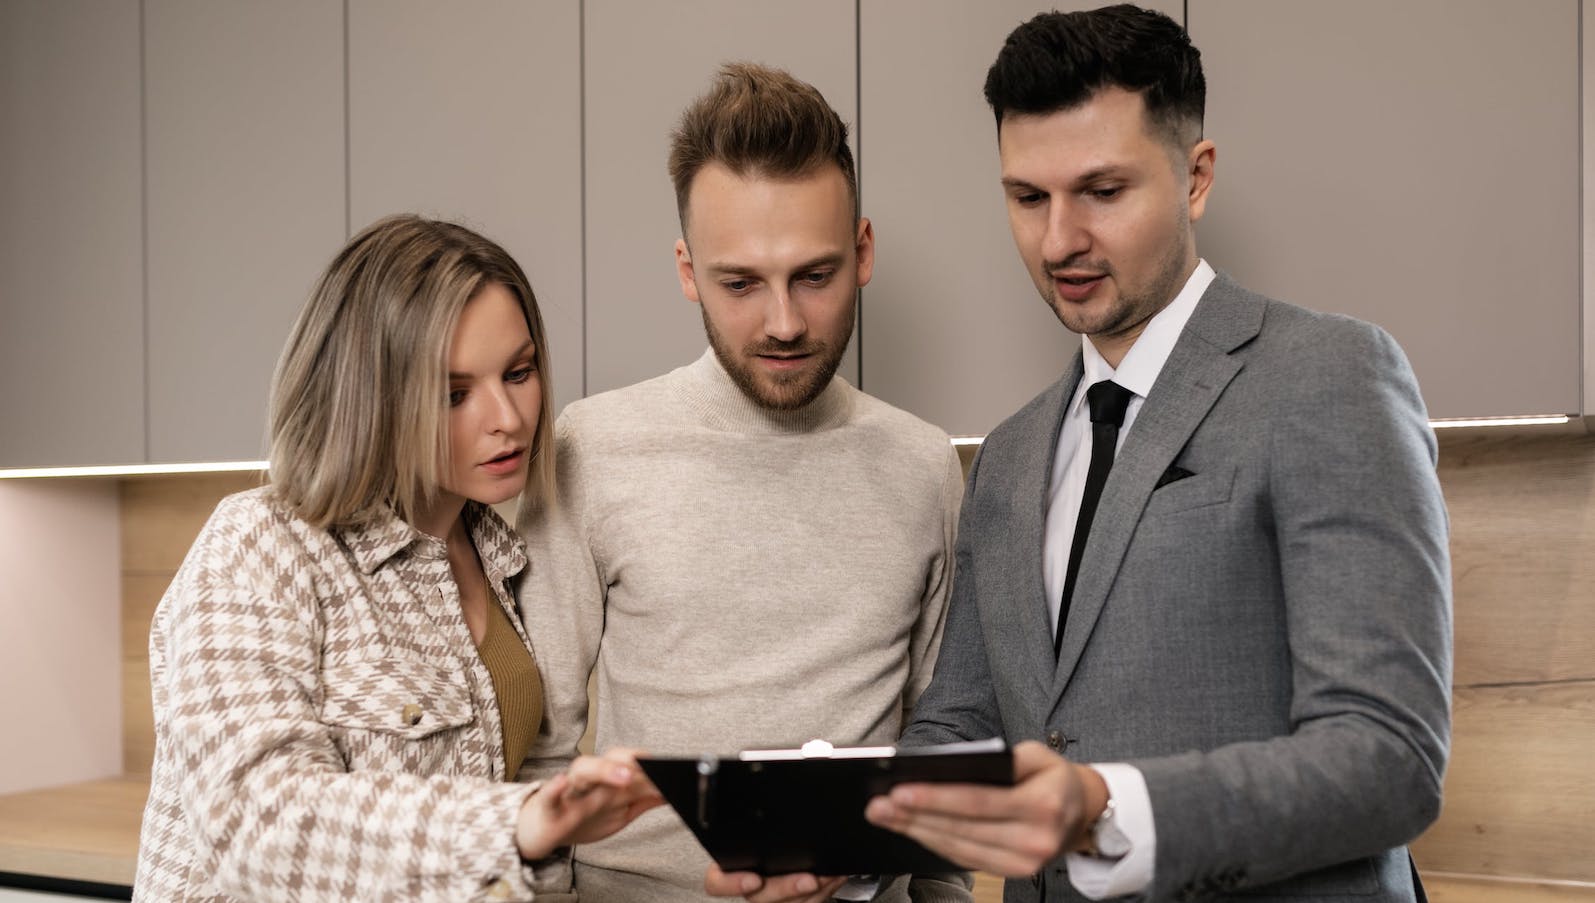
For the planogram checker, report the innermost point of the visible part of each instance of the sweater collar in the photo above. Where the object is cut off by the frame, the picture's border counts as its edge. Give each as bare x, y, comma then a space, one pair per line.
708, 390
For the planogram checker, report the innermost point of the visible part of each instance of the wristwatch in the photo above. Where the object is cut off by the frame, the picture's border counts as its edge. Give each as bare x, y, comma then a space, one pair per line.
1105, 839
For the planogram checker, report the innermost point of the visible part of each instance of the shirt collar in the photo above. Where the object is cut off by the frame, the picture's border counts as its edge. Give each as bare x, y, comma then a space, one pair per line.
1139, 369
386, 535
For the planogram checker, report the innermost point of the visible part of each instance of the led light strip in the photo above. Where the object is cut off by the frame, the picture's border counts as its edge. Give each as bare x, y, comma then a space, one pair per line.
1534, 420
1501, 421
134, 470
130, 470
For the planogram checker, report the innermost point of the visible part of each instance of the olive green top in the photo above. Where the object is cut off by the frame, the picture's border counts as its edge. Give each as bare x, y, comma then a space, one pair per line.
516, 683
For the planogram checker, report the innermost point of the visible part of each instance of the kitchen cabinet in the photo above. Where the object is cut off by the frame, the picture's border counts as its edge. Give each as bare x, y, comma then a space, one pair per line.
1415, 164
471, 112
71, 234
644, 62
245, 204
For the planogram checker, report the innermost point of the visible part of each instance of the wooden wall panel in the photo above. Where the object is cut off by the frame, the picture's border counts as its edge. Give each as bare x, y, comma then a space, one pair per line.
1523, 550
160, 517
1519, 800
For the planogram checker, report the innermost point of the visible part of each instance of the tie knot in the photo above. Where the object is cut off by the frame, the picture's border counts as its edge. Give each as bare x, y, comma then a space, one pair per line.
1108, 401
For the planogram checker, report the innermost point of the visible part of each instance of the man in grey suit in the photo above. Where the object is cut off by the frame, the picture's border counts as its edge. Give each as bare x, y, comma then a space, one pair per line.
1255, 645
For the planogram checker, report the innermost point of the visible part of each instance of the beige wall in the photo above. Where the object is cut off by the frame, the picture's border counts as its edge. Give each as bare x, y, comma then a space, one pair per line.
59, 663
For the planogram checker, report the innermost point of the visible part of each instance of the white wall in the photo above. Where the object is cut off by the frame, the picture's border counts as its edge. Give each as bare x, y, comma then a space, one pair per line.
60, 632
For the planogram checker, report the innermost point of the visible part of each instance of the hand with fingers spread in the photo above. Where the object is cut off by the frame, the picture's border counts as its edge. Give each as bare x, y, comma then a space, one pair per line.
1012, 831
592, 799
797, 888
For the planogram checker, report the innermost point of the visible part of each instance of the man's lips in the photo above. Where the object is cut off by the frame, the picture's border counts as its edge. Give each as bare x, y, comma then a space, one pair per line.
1076, 286
784, 360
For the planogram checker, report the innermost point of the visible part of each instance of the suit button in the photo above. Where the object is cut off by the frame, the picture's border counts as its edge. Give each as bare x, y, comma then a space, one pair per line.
411, 714
1055, 739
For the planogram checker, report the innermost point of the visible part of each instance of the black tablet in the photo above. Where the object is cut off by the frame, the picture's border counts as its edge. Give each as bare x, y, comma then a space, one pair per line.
802, 810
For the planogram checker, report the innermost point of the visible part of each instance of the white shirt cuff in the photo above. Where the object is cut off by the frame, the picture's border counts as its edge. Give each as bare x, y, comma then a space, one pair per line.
1132, 874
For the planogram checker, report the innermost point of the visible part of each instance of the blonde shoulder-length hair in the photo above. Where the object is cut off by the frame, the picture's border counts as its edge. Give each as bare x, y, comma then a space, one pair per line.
360, 397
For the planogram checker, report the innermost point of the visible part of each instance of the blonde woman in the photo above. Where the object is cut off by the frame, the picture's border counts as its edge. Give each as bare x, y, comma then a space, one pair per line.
344, 694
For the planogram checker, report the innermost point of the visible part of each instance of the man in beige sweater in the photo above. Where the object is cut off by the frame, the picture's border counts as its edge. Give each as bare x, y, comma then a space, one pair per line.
750, 551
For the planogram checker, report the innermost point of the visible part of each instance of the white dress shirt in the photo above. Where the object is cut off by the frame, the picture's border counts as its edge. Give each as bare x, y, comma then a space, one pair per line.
1094, 877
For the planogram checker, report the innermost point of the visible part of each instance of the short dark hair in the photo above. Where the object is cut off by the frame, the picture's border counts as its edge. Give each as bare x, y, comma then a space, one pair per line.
1058, 61
758, 120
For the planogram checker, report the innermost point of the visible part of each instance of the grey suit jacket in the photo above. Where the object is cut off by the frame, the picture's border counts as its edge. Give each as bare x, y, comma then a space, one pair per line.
1267, 639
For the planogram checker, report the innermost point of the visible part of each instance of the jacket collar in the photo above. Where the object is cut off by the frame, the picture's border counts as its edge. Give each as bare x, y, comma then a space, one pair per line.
386, 535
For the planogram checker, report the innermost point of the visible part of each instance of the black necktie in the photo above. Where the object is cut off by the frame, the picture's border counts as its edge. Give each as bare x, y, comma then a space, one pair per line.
1108, 401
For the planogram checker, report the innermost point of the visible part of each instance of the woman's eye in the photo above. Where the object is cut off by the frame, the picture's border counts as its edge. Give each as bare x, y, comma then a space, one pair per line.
456, 397
520, 374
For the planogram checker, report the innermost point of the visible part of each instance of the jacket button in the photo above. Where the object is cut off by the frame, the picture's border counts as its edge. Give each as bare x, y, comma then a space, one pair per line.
1055, 739
411, 714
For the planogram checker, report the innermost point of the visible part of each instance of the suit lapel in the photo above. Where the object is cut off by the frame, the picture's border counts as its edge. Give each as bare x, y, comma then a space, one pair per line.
1037, 449
1198, 370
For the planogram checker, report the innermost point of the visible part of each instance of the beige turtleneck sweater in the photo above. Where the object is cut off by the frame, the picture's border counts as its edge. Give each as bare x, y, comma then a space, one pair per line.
740, 578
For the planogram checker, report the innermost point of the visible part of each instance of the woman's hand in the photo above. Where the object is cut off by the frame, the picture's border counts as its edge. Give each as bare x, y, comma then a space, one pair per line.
595, 797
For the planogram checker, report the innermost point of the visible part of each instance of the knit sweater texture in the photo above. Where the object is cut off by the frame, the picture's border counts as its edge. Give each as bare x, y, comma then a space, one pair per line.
740, 578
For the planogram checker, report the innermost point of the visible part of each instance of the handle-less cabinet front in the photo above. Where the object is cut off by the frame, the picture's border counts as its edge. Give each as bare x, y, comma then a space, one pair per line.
1415, 164
71, 245
471, 112
244, 113
644, 63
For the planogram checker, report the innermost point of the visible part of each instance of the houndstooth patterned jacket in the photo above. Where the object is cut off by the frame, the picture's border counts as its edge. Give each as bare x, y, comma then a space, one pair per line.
324, 727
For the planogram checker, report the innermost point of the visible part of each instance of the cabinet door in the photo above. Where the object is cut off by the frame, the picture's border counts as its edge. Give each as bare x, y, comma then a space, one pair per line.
71, 242
472, 112
246, 203
953, 328
644, 62
1413, 163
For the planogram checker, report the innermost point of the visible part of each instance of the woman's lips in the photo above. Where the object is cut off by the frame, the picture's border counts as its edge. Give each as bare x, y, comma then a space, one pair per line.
505, 464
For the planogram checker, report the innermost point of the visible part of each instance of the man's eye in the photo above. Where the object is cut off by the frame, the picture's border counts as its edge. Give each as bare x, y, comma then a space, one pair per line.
817, 278
736, 286
1106, 194
1029, 198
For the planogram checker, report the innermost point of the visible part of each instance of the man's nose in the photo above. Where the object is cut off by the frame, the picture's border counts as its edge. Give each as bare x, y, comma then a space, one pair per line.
782, 319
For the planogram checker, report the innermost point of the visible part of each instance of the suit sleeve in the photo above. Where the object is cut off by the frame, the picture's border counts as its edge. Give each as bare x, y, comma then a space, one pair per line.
562, 602
1361, 534
929, 636
960, 703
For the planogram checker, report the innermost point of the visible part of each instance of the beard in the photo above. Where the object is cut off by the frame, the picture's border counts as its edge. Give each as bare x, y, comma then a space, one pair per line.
780, 391
1135, 305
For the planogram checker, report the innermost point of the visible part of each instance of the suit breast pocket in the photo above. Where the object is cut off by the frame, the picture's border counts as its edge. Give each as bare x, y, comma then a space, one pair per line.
396, 714
1211, 487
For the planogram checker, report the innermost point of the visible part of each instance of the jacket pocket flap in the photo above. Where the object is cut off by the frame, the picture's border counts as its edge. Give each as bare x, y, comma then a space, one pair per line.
402, 697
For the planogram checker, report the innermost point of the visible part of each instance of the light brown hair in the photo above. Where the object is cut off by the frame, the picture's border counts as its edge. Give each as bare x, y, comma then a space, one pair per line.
359, 401
760, 121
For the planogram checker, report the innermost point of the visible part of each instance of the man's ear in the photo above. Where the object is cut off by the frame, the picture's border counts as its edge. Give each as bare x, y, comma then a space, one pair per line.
1200, 162
865, 248
689, 285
